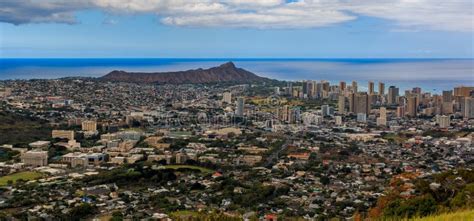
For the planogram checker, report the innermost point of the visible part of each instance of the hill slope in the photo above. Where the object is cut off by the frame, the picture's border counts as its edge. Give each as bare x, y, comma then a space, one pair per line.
21, 130
224, 73
467, 215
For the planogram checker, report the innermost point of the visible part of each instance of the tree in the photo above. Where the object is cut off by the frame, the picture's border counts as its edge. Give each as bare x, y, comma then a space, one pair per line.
117, 216
324, 180
82, 211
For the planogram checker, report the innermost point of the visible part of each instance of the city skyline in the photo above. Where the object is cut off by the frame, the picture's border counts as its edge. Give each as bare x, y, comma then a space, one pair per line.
237, 110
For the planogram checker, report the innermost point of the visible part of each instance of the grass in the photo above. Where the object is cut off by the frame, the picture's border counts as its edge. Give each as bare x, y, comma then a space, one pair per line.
461, 215
180, 213
394, 137
202, 169
466, 215
27, 175
204, 216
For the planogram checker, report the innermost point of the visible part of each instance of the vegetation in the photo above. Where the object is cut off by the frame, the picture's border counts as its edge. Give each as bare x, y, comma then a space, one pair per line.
214, 216
20, 130
190, 167
132, 174
393, 137
81, 211
7, 154
466, 215
439, 133
23, 176
455, 192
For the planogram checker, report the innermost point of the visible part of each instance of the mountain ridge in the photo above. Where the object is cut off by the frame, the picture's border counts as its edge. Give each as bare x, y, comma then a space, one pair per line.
226, 72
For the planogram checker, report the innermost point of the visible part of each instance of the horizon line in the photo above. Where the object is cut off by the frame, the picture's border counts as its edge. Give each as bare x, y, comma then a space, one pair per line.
253, 58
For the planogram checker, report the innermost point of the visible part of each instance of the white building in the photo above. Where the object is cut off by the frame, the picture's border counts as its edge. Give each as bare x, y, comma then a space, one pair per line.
36, 158
338, 120
361, 117
443, 121
227, 97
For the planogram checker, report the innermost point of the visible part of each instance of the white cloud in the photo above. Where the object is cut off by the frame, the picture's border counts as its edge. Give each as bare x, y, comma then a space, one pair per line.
290, 15
447, 15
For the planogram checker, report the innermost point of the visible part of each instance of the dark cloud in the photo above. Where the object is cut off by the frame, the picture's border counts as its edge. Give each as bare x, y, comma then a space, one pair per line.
36, 11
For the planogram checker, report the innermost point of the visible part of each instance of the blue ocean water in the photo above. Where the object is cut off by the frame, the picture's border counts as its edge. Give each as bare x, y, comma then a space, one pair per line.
430, 74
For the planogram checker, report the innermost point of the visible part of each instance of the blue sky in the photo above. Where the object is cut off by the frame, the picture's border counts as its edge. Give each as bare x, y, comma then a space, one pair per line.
236, 29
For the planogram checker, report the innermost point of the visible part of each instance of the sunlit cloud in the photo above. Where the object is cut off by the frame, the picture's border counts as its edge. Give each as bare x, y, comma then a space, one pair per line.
456, 15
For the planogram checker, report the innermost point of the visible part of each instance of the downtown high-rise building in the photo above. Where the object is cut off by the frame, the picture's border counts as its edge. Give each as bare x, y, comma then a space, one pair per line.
371, 88
400, 111
289, 88
381, 89
294, 115
354, 87
341, 104
325, 86
240, 107
392, 95
310, 88
412, 107
463, 91
359, 103
319, 90
342, 86
305, 88
447, 96
382, 119
416, 90
467, 109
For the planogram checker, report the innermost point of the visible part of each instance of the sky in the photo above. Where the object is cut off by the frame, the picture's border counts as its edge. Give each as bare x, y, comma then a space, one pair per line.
236, 29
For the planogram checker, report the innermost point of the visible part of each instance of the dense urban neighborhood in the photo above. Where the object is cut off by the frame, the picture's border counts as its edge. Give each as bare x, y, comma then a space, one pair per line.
99, 149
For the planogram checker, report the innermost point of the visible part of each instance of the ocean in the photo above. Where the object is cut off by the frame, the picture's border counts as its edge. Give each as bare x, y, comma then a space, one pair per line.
430, 74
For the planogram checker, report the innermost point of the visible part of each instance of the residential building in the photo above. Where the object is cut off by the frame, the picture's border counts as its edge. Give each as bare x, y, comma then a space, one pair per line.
382, 120
392, 95
63, 134
89, 125
381, 88
443, 121
412, 108
341, 104
240, 107
463, 91
371, 88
